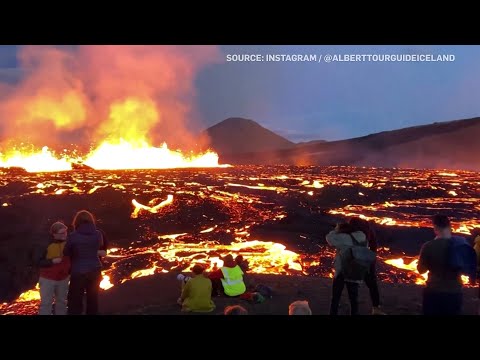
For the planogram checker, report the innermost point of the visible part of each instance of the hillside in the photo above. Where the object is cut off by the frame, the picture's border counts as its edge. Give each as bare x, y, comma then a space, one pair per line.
439, 145
237, 135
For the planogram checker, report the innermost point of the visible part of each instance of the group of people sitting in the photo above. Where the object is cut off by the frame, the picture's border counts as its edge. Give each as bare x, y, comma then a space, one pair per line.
197, 291
70, 271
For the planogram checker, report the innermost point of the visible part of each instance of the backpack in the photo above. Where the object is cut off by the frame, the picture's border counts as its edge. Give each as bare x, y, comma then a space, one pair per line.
356, 261
264, 290
462, 257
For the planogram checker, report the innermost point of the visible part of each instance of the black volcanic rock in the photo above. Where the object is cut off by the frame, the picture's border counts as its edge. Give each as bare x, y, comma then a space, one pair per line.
13, 170
81, 166
237, 135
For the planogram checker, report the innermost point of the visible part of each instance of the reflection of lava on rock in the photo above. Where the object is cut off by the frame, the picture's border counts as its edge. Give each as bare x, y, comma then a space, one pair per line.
163, 221
81, 166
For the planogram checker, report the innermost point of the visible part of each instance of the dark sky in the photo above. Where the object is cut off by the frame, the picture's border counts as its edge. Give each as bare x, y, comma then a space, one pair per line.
318, 100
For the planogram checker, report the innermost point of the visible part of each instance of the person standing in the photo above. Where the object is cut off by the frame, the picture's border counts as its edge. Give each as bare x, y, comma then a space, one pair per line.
442, 294
54, 273
343, 238
83, 247
371, 276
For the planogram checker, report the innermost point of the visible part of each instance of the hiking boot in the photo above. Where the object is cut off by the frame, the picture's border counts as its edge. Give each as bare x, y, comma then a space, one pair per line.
377, 311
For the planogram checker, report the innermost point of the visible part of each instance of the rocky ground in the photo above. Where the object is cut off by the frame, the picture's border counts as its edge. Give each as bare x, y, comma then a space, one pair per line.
157, 295
31, 203
26, 224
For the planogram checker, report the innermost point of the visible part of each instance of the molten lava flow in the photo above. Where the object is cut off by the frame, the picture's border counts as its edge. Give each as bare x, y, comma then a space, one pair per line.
259, 187
126, 142
374, 212
412, 266
127, 155
125, 146
152, 209
316, 184
144, 272
210, 218
263, 257
208, 230
124, 100
105, 284
41, 161
30, 295
112, 156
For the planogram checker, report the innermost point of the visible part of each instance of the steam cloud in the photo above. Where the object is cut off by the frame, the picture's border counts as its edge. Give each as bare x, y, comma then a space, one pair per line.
87, 94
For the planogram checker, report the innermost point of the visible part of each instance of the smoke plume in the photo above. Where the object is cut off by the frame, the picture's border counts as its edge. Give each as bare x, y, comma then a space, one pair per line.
86, 94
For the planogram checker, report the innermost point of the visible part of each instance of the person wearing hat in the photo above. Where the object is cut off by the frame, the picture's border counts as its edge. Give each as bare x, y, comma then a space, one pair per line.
197, 292
54, 273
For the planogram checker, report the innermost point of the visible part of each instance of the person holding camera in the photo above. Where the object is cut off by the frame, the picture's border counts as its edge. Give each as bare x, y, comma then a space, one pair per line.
343, 238
371, 276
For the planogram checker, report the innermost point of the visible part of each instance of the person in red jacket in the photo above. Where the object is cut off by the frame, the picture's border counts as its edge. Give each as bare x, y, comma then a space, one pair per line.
54, 273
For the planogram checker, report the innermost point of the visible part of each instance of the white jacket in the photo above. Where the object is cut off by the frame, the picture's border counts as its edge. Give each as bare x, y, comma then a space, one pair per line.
342, 242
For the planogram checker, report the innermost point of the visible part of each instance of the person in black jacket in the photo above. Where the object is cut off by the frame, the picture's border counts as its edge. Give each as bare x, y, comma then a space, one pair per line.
442, 294
84, 248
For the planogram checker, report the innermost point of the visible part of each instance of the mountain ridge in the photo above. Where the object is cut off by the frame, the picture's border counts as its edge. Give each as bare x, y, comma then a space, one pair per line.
438, 145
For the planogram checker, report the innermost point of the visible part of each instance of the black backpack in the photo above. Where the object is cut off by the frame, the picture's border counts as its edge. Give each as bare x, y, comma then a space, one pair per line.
356, 261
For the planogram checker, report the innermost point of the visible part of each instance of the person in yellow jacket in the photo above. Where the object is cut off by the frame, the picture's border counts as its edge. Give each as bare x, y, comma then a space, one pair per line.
229, 277
232, 281
197, 292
